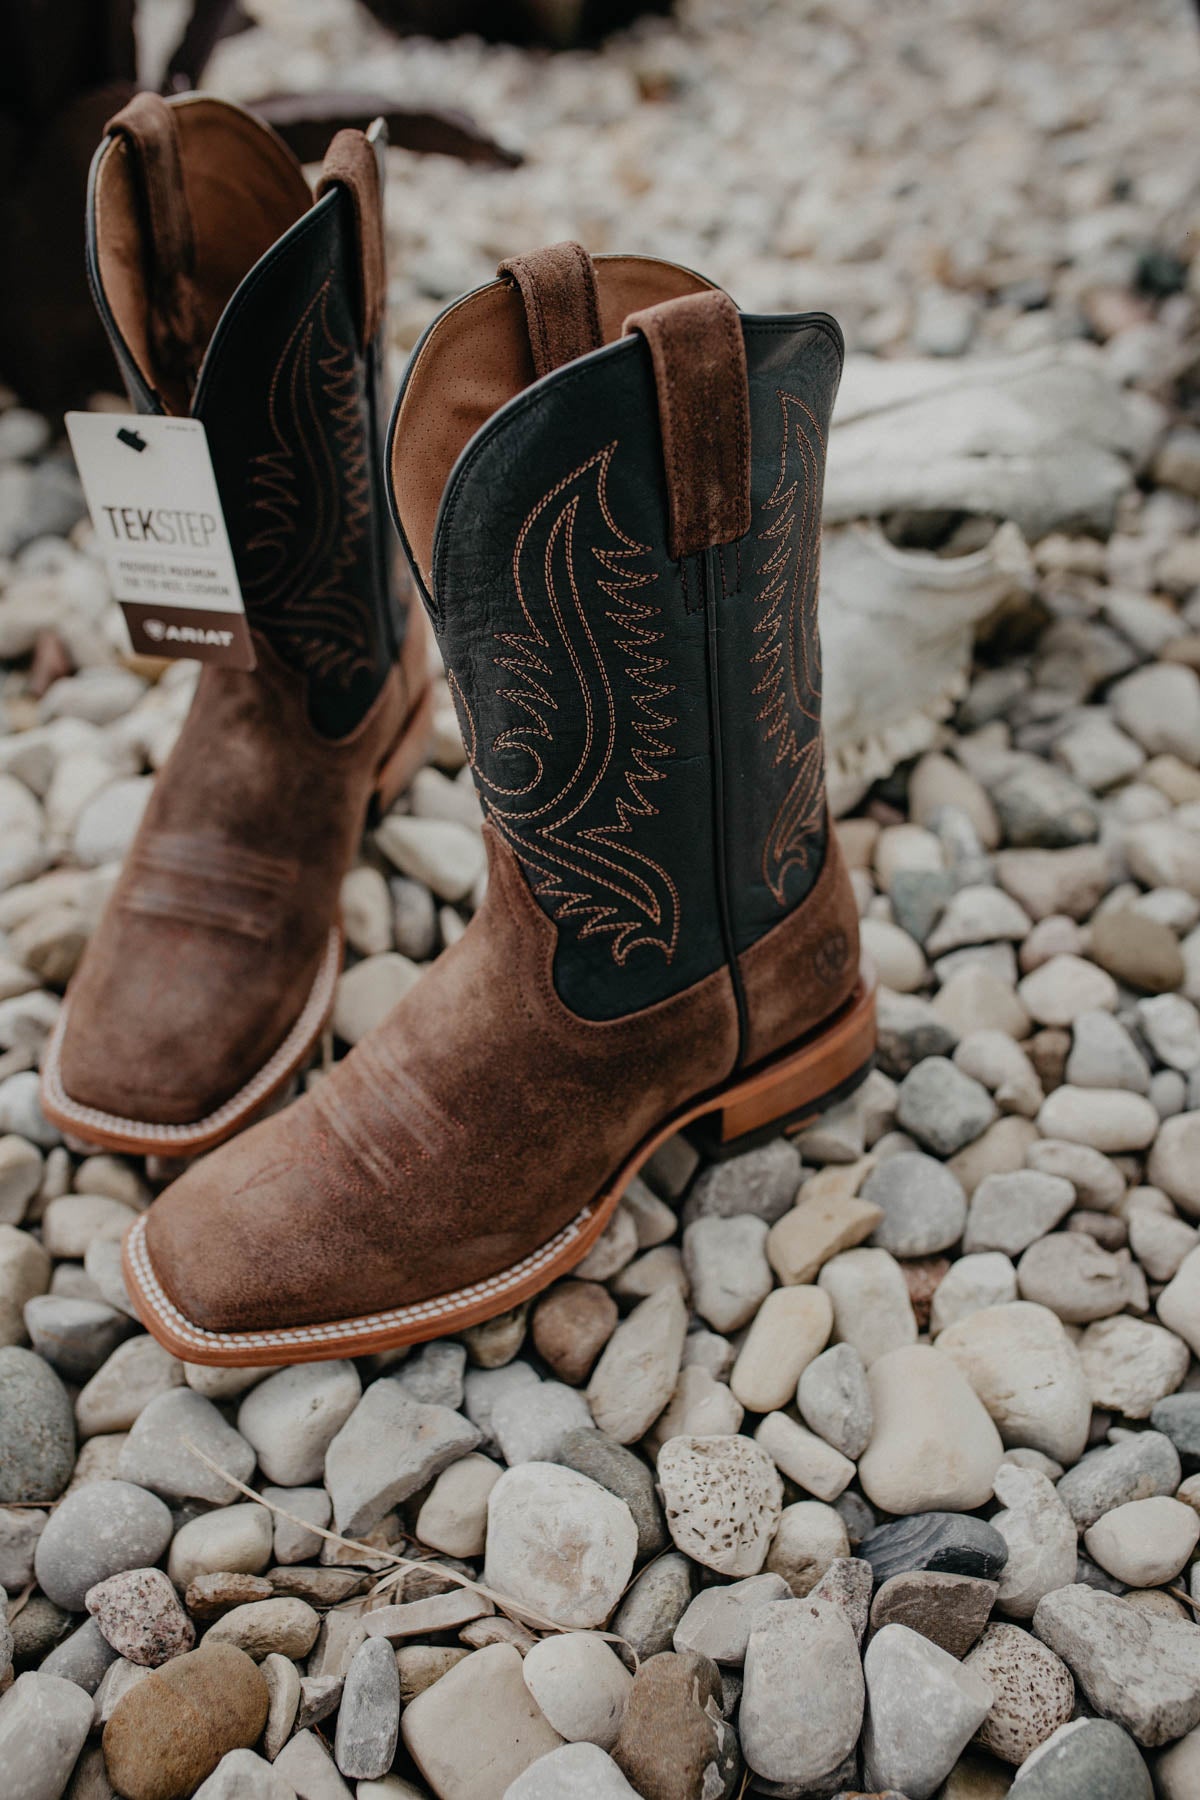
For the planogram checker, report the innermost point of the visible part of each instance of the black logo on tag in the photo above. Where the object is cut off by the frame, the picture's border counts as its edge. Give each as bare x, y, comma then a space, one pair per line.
134, 439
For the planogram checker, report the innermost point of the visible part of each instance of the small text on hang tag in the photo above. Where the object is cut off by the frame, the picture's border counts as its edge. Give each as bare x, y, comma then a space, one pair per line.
152, 495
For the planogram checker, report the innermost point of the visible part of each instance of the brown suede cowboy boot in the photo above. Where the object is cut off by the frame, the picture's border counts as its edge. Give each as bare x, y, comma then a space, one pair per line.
609, 484
230, 293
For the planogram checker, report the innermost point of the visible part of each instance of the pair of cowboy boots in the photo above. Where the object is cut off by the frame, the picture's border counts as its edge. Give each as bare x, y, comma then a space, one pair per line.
607, 483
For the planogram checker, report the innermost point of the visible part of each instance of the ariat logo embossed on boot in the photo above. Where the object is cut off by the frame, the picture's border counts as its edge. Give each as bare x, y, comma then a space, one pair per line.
830, 958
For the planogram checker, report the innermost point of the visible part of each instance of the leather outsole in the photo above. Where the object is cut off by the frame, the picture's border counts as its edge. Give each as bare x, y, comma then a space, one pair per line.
781, 1095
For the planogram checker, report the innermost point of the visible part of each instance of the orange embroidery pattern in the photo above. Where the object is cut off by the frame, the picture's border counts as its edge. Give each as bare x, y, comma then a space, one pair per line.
572, 561
313, 495
788, 688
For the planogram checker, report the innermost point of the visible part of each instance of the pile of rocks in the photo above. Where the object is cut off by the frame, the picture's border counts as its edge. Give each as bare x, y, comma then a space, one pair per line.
867, 1459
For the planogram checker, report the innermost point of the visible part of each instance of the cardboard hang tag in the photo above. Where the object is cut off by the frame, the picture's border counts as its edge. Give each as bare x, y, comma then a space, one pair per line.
152, 495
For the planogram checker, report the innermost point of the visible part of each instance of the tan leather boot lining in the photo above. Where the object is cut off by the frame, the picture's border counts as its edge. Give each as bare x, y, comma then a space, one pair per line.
475, 360
244, 189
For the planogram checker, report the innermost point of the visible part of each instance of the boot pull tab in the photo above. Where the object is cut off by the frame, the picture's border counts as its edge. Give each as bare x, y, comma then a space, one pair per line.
558, 289
699, 359
148, 126
353, 162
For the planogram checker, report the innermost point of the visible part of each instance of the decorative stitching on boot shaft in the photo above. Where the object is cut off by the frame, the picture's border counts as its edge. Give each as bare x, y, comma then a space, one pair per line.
312, 498
789, 653
591, 872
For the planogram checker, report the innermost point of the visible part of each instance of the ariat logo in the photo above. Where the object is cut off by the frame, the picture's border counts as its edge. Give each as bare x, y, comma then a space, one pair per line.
830, 957
162, 633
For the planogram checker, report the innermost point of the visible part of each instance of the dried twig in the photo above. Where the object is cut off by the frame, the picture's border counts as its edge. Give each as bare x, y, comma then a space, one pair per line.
512, 1609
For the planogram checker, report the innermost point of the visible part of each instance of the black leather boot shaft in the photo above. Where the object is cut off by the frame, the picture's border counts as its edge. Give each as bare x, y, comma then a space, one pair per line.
644, 727
287, 386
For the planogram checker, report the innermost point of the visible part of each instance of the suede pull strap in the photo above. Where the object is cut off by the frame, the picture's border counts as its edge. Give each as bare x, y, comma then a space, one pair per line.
699, 359
351, 162
148, 126
558, 288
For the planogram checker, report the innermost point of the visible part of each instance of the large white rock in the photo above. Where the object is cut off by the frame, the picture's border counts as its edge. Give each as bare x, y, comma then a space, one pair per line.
1179, 1303
292, 1417
559, 1544
1106, 1119
802, 1702
581, 1685
1131, 1365
1145, 1542
477, 1728
722, 1497
1027, 1372
934, 1448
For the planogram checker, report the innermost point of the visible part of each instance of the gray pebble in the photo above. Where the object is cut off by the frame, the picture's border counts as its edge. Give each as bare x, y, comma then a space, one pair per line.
530, 1422
719, 1620
1009, 1211
1041, 807
1103, 1055
943, 1108
369, 1717
20, 1528
763, 1182
155, 1454
601, 1459
37, 1429
388, 1448
434, 1374
654, 1605
84, 1657
75, 1336
44, 1721
909, 1031
835, 1400
1136, 1468
1091, 1757
923, 1203
99, 1530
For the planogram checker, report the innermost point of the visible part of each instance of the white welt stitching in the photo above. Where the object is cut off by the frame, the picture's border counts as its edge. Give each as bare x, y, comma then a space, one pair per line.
150, 1290
258, 1088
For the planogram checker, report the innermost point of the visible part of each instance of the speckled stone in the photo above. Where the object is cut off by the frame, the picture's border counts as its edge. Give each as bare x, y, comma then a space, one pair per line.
1032, 1691
139, 1614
